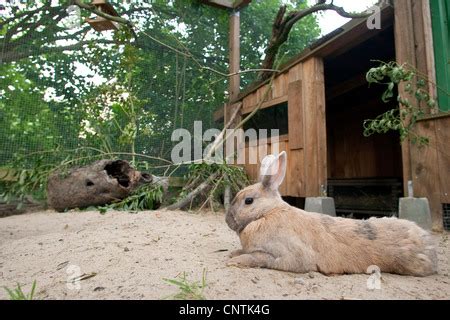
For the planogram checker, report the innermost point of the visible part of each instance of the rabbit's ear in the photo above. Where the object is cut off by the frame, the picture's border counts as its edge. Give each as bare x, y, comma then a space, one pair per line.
273, 170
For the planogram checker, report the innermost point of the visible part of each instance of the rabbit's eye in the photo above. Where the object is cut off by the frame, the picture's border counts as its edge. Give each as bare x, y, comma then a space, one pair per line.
248, 200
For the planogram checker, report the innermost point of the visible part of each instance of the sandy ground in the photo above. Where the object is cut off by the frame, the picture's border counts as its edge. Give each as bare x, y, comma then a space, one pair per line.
130, 254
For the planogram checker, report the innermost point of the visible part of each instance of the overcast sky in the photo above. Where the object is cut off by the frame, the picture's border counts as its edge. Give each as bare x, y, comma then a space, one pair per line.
330, 20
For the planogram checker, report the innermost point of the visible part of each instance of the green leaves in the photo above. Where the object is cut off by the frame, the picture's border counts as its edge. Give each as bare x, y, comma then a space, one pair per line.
390, 120
236, 177
26, 182
256, 30
403, 117
389, 93
146, 197
227, 176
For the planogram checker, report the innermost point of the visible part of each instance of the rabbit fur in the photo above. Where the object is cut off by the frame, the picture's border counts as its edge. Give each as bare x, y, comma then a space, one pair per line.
275, 235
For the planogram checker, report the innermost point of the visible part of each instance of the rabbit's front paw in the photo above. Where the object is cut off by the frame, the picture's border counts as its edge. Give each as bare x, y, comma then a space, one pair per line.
240, 261
236, 253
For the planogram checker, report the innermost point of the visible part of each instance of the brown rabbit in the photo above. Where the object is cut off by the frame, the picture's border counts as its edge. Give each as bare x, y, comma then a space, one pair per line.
278, 236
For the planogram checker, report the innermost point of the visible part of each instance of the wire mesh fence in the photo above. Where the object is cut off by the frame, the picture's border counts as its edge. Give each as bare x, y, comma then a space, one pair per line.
78, 92
70, 93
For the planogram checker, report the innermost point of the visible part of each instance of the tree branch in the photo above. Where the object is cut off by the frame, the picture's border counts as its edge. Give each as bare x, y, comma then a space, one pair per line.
220, 138
202, 187
93, 9
284, 23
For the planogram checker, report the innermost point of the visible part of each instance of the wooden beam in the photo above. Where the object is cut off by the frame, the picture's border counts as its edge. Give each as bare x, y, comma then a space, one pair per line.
355, 35
234, 65
315, 140
424, 43
227, 4
405, 53
234, 81
266, 104
413, 46
346, 86
427, 173
443, 137
241, 4
235, 55
220, 3
106, 7
295, 115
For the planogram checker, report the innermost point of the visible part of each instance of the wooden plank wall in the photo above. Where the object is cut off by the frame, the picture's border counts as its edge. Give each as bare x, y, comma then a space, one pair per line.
303, 87
425, 167
293, 184
431, 166
351, 154
315, 126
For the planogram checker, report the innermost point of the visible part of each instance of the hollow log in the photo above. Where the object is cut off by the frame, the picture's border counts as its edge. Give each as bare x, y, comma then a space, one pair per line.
100, 183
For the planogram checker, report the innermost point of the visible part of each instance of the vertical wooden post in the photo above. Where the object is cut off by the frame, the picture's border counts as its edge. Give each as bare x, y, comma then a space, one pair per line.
405, 53
315, 126
234, 80
425, 50
413, 45
235, 52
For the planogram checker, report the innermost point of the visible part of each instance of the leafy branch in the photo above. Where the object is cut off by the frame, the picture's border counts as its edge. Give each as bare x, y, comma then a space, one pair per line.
146, 197
409, 109
208, 181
